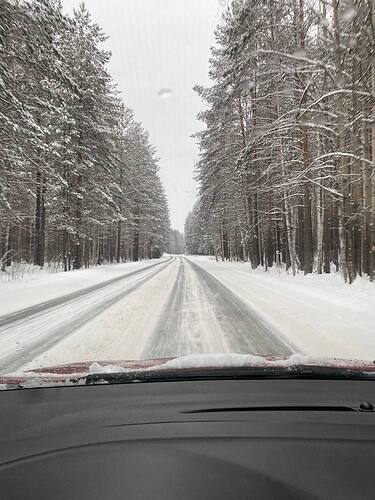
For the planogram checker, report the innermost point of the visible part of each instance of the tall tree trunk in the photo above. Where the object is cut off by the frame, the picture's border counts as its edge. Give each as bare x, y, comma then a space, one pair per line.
307, 224
136, 233
372, 224
327, 242
6, 258
118, 241
290, 228
78, 220
290, 254
319, 229
366, 201
39, 221
342, 174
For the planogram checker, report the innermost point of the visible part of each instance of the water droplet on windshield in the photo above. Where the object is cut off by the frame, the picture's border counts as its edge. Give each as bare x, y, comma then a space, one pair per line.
340, 82
246, 84
257, 131
300, 53
165, 93
348, 14
287, 89
352, 42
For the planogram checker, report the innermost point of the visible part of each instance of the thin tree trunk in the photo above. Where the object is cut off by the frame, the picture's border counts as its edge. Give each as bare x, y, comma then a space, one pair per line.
372, 224
307, 225
39, 222
78, 217
342, 174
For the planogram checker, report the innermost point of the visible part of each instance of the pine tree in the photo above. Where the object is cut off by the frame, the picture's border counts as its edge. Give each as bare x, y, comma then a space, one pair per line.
286, 166
79, 179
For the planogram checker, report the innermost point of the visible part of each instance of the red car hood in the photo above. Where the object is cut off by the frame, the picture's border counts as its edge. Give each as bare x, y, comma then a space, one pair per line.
63, 373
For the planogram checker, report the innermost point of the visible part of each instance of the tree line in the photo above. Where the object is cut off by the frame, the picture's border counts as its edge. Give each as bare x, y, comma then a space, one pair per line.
286, 170
176, 242
79, 180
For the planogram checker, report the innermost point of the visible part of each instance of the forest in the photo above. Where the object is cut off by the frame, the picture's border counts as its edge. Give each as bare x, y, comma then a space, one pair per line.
287, 154
176, 243
79, 179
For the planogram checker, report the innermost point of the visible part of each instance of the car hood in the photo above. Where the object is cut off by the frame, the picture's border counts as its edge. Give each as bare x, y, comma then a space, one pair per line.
67, 374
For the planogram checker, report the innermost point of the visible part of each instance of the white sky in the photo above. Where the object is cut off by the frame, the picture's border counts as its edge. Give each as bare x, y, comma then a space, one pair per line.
162, 44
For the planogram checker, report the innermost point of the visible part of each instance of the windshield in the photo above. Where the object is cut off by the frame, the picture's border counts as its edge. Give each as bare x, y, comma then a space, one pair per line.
186, 184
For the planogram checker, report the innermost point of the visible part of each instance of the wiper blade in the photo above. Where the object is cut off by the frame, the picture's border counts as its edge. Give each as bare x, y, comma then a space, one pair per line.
168, 374
230, 373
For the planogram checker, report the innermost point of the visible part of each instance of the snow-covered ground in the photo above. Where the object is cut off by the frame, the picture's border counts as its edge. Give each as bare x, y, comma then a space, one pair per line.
173, 314
120, 331
40, 286
319, 313
30, 331
181, 306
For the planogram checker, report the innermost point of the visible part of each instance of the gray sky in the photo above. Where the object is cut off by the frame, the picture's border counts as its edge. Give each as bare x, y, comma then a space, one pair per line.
156, 45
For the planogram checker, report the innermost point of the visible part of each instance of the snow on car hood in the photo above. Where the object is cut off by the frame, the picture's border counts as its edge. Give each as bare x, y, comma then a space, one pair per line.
63, 374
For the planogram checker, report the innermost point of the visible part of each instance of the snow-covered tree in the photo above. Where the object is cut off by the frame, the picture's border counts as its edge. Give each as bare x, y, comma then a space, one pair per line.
286, 168
176, 243
79, 179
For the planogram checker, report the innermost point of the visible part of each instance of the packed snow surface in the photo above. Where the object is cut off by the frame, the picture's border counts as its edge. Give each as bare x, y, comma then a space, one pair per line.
187, 307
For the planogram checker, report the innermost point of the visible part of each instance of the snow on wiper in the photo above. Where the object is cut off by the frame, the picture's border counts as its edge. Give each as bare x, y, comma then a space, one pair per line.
191, 367
238, 366
222, 360
37, 381
230, 373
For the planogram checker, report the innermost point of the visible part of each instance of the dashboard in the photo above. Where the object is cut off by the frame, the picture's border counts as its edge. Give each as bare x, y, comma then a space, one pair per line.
216, 439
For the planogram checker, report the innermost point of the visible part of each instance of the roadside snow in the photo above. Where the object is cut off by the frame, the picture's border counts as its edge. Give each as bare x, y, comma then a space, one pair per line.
320, 314
39, 287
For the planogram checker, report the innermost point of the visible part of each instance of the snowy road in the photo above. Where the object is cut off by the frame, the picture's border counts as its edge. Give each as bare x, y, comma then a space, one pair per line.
202, 315
168, 308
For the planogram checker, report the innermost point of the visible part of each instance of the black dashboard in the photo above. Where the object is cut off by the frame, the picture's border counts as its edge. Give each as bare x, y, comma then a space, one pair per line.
217, 439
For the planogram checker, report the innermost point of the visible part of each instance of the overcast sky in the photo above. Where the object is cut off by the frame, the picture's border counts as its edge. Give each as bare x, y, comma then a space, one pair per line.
156, 45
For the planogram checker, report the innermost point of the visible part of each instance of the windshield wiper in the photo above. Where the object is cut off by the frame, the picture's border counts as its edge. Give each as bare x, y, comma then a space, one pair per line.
301, 371
231, 373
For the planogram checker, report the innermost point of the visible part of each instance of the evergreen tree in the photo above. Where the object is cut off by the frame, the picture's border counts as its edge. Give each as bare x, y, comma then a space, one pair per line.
286, 168
79, 180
